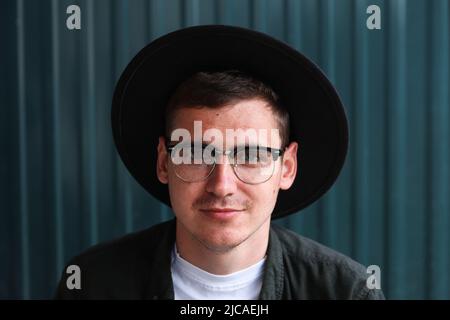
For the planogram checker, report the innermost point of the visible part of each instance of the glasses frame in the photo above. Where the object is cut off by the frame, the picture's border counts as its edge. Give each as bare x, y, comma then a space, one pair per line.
276, 154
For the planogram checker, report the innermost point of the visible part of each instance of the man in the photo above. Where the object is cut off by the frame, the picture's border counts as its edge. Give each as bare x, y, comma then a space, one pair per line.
242, 113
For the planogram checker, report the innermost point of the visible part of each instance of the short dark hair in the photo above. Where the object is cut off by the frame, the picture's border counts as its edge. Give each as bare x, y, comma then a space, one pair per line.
219, 89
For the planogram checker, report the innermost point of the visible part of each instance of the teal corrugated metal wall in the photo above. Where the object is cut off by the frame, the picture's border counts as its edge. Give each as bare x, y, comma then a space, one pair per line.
63, 187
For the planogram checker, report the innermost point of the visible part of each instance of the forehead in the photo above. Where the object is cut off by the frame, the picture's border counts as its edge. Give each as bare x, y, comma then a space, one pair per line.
239, 119
242, 115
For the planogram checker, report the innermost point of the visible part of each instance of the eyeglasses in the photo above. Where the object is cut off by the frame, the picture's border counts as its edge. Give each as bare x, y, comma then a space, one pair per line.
251, 164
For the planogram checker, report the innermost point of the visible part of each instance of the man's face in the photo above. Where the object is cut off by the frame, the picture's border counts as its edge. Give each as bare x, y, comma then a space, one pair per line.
202, 207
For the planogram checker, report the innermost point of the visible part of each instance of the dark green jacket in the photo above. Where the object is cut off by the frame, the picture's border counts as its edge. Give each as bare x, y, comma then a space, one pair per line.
138, 266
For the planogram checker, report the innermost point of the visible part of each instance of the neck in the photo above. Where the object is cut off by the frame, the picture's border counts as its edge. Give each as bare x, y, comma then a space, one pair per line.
222, 262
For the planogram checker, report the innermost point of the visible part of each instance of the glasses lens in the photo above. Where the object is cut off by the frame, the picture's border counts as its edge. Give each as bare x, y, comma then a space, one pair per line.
193, 172
189, 164
254, 165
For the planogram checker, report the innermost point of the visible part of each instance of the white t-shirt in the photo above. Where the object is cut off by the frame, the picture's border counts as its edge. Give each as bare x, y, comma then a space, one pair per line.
193, 283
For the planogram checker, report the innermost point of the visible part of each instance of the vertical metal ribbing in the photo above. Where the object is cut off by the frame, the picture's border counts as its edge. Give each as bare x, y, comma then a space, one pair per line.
438, 207
91, 135
361, 136
57, 185
396, 154
23, 156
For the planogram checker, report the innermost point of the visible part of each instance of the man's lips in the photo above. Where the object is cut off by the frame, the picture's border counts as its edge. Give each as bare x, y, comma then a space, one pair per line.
221, 209
221, 213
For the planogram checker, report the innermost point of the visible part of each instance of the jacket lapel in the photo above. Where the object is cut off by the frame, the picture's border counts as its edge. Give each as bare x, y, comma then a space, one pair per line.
272, 287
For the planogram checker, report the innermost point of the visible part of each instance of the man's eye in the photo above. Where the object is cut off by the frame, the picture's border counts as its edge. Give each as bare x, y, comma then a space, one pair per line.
189, 152
250, 155
197, 156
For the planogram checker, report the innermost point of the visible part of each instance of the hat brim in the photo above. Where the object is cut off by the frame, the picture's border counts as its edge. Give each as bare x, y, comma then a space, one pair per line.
317, 117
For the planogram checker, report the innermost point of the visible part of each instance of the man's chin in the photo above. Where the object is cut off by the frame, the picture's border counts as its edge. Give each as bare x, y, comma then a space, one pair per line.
221, 244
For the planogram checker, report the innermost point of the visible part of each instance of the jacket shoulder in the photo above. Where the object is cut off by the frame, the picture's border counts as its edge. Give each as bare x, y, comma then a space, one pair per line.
315, 271
115, 268
127, 245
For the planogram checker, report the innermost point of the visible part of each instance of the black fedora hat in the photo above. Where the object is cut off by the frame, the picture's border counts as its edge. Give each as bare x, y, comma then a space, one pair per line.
317, 117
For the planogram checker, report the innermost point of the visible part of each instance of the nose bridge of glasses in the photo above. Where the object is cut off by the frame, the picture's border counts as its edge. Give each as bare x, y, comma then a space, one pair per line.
224, 156
224, 159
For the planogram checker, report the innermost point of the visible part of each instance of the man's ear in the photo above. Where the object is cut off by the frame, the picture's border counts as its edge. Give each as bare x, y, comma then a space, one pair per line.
161, 165
289, 166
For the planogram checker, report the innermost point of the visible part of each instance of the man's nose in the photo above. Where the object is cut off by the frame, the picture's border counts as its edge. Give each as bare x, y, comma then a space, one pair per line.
222, 181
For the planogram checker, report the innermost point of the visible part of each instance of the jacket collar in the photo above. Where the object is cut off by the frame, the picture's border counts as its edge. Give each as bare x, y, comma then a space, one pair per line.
159, 285
272, 287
